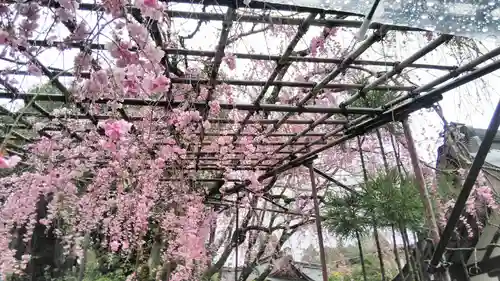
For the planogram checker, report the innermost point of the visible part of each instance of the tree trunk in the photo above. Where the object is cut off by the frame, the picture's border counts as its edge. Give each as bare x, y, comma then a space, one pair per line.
280, 243
361, 256
86, 243
411, 268
235, 240
379, 252
418, 258
382, 152
396, 253
154, 259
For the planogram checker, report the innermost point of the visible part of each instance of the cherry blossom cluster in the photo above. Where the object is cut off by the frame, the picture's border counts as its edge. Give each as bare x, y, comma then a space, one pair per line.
125, 179
108, 182
481, 200
9, 162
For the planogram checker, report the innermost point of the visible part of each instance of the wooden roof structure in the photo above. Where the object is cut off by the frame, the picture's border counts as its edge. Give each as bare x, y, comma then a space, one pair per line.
328, 126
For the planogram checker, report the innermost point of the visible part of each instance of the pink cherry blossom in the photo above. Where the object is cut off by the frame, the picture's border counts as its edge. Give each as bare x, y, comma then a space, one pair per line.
128, 182
114, 245
10, 162
116, 130
150, 3
34, 70
230, 60
214, 107
158, 84
317, 44
131, 277
4, 35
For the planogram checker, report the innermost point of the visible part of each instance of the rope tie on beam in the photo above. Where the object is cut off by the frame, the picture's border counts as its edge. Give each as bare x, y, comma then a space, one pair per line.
397, 67
343, 109
455, 72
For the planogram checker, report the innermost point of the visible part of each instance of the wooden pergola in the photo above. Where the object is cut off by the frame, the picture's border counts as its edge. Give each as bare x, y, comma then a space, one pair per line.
338, 124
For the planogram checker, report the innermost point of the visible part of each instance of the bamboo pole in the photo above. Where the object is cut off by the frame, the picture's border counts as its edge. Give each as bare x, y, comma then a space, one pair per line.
318, 221
424, 194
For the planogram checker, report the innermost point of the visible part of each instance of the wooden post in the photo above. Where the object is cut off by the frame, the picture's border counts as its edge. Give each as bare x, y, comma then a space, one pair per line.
424, 194
318, 222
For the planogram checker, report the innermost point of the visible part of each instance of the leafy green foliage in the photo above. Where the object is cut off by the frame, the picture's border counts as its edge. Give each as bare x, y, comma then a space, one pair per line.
215, 277
374, 98
10, 119
372, 272
377, 98
47, 105
388, 199
393, 199
337, 276
447, 186
96, 265
345, 215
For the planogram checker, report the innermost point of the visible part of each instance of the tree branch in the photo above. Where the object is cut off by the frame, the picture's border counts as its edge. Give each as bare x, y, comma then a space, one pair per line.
280, 243
248, 33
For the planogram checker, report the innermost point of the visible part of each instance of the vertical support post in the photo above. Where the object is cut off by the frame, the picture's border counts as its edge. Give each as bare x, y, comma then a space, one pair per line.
361, 255
424, 194
318, 221
237, 238
375, 230
83, 264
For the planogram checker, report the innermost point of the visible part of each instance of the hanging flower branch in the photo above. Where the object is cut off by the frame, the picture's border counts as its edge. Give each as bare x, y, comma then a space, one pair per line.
480, 203
109, 184
9, 162
126, 189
